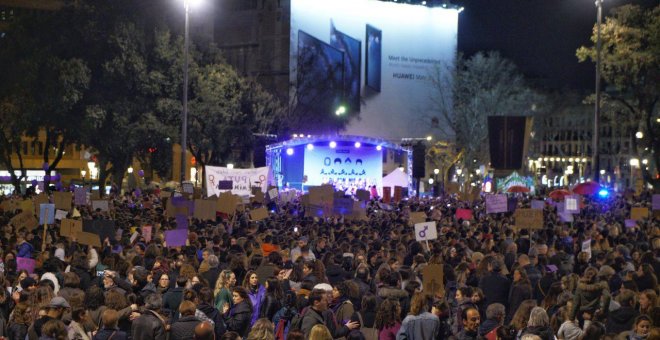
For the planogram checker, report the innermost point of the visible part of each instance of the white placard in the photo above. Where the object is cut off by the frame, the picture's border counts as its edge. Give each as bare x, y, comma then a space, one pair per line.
60, 214
586, 247
104, 205
242, 180
571, 205
426, 231
272, 193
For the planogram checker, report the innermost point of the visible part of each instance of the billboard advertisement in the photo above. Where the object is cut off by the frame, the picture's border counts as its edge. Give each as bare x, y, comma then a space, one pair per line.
345, 166
373, 57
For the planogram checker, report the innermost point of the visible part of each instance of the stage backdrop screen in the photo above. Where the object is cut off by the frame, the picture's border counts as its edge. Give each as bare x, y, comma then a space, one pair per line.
384, 52
345, 166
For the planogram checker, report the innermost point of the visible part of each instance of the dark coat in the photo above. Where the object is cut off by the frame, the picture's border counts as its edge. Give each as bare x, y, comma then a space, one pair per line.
269, 307
545, 333
496, 289
148, 327
184, 328
17, 331
105, 333
211, 276
238, 319
171, 301
519, 293
621, 320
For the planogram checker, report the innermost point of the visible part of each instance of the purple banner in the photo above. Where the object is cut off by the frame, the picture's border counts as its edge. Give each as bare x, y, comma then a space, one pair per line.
181, 221
176, 238
496, 204
656, 202
631, 223
80, 196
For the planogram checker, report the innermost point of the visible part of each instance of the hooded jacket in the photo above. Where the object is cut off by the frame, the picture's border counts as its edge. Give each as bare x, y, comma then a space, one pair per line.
590, 297
621, 320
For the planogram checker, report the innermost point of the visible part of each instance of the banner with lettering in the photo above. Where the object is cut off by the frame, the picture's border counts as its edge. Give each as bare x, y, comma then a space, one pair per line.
242, 180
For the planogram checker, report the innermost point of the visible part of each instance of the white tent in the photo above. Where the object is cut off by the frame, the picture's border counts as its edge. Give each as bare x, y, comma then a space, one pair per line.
396, 178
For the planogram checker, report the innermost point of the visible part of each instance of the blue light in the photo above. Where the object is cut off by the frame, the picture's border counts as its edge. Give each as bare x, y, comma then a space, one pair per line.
603, 193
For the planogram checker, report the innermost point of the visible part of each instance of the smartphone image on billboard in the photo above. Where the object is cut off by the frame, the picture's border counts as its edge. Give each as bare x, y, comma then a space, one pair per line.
374, 49
352, 49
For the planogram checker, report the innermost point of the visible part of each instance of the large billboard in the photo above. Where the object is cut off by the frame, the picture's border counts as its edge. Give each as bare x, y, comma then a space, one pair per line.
374, 57
345, 166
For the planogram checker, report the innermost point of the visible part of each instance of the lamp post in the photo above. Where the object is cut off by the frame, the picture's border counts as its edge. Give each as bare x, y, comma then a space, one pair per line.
184, 120
595, 163
83, 173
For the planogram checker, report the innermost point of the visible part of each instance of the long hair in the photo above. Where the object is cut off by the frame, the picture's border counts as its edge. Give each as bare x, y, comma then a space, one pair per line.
387, 314
223, 281
246, 279
520, 318
274, 288
320, 332
263, 329
538, 317
418, 304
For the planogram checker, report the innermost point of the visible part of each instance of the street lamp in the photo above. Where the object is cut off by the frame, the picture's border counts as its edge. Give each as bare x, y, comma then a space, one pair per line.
595, 163
184, 120
639, 134
82, 174
634, 162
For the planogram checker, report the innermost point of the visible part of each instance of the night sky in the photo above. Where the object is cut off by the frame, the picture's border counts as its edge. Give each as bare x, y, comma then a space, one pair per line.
539, 36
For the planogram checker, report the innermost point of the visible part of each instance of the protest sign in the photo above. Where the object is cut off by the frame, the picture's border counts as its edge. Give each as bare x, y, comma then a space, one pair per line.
25, 220
101, 228
27, 205
103, 205
362, 195
433, 278
387, 195
40, 199
571, 205
80, 196
60, 214
321, 195
134, 237
528, 218
496, 204
465, 214
452, 188
46, 213
538, 204
242, 180
630, 223
259, 214
176, 238
181, 221
70, 228
146, 232
343, 206
205, 209
656, 202
426, 231
88, 239
273, 193
62, 200
416, 217
638, 213
259, 197
227, 203
24, 263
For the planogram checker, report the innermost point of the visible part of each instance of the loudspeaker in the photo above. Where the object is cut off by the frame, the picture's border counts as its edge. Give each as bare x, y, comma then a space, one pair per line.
419, 161
508, 139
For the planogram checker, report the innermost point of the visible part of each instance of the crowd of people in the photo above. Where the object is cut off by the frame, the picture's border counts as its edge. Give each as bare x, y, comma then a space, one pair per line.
295, 275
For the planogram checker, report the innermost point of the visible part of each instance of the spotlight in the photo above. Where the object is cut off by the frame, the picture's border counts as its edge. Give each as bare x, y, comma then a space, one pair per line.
289, 151
378, 147
358, 145
603, 193
310, 146
333, 144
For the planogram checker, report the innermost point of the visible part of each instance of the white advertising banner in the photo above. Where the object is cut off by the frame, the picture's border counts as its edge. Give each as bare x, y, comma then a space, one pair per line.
242, 180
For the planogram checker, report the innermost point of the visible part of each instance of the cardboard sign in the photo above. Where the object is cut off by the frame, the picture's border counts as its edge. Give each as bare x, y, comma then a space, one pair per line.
46, 213
571, 205
259, 214
538, 204
62, 200
343, 206
205, 209
165, 194
180, 205
529, 218
95, 195
272, 193
134, 237
101, 228
60, 214
452, 188
363, 195
70, 228
103, 205
323, 195
88, 239
259, 197
655, 202
25, 220
426, 231
638, 213
496, 204
398, 194
176, 238
27, 205
75, 213
188, 187
416, 217
433, 277
227, 203
387, 195
24, 263
465, 214
80, 196
40, 199
146, 232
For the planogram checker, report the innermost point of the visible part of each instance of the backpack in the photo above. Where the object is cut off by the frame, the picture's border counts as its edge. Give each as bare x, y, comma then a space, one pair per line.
296, 321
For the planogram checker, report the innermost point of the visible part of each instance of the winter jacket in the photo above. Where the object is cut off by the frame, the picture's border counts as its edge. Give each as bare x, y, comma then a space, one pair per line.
105, 334
238, 318
17, 331
419, 327
545, 333
312, 317
590, 297
570, 330
25, 249
149, 326
211, 276
518, 294
184, 328
344, 312
171, 301
621, 320
487, 326
257, 299
396, 294
496, 289
214, 315
269, 307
